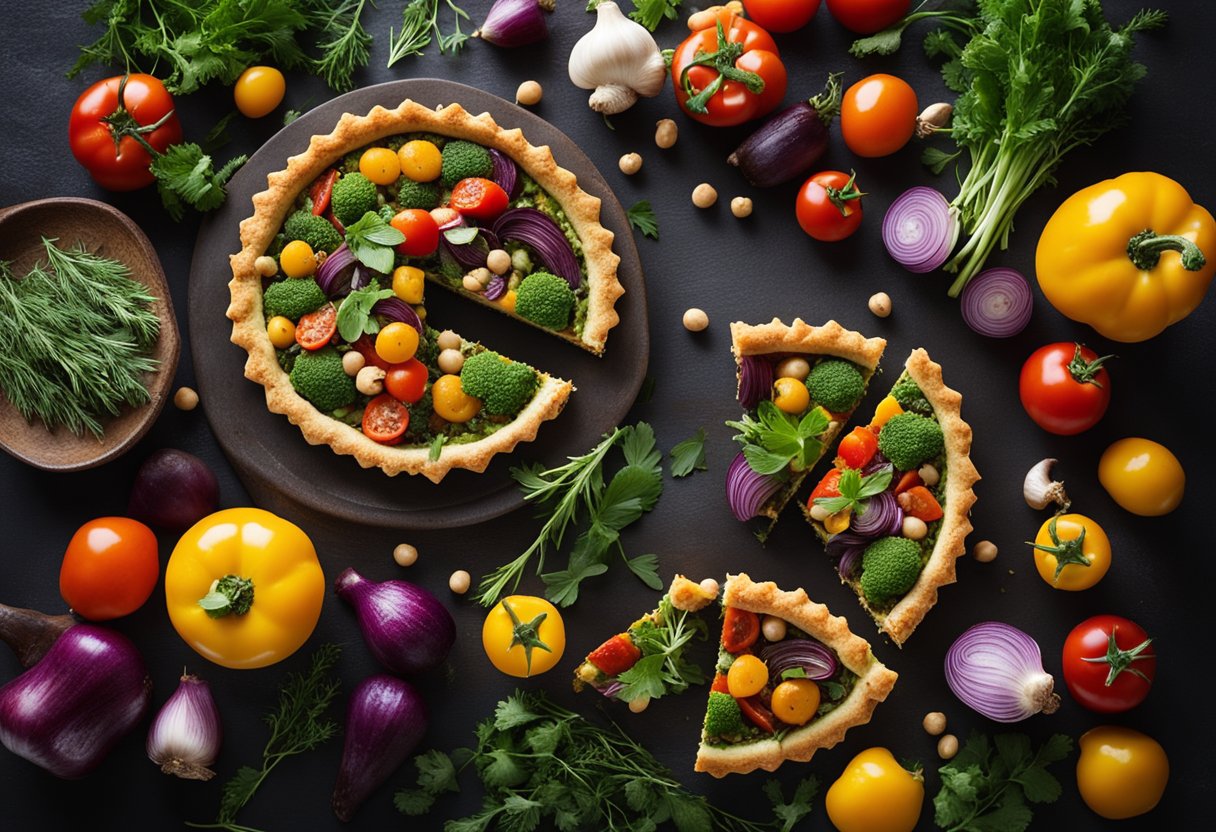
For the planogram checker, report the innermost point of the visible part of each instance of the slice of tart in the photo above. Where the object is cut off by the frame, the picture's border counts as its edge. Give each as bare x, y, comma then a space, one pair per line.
646, 661
791, 679
895, 508
798, 385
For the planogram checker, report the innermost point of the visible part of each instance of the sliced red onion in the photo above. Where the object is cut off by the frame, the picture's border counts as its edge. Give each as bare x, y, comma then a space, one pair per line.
747, 491
919, 229
505, 174
815, 658
536, 229
471, 255
496, 288
363, 276
997, 303
396, 309
882, 514
849, 561
513, 23
876, 462
847, 546
997, 671
755, 380
611, 689
334, 275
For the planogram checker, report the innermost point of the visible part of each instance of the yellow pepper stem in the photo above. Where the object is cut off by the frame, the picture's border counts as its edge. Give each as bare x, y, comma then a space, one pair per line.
1145, 250
230, 595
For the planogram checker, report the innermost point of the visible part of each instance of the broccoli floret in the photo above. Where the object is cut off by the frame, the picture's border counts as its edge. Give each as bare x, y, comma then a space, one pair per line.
319, 377
911, 397
428, 348
318, 232
503, 386
545, 299
910, 439
387, 213
836, 385
353, 196
411, 194
292, 298
464, 159
722, 716
889, 567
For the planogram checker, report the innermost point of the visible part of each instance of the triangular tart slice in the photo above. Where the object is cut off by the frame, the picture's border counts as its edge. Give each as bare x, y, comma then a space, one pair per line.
792, 679
895, 508
797, 380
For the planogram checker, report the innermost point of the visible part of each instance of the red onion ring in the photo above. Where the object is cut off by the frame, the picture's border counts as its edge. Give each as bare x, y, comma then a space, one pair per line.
747, 491
998, 303
755, 380
815, 658
920, 230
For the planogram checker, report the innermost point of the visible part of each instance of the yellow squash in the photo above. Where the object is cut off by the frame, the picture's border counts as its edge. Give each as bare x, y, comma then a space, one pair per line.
244, 588
1128, 256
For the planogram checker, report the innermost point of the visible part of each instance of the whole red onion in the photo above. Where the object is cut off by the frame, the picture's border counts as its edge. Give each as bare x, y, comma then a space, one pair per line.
406, 628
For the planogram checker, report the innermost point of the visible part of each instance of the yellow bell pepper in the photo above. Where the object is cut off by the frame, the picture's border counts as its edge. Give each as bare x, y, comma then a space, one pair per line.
244, 588
1128, 256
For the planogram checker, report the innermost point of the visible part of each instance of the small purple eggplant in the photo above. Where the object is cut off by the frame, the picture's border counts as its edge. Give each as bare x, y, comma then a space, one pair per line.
789, 143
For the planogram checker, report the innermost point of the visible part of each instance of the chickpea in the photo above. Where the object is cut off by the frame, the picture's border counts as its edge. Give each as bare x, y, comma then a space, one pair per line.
704, 195
774, 628
665, 133
185, 399
819, 513
695, 320
928, 475
640, 704
630, 163
266, 266
741, 206
498, 261
370, 380
472, 284
710, 587
880, 304
793, 367
529, 93
448, 340
405, 554
947, 746
985, 551
934, 723
451, 361
914, 528
460, 582
352, 362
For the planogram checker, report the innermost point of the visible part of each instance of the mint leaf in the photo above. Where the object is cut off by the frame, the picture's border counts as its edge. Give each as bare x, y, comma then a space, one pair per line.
689, 455
371, 239
355, 313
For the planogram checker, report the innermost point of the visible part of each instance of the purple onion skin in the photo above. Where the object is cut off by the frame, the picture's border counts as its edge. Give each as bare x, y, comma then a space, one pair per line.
747, 491
542, 234
785, 147
755, 380
506, 174
385, 721
512, 23
31, 633
174, 490
406, 628
69, 710
398, 310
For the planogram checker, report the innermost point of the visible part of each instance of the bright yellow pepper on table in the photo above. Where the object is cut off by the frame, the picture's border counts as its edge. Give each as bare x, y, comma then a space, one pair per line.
244, 588
1128, 256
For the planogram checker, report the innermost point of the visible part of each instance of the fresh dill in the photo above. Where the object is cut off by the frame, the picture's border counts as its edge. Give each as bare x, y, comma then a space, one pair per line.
420, 24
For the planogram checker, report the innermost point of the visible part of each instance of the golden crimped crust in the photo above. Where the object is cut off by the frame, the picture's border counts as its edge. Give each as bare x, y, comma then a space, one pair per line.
688, 595
874, 680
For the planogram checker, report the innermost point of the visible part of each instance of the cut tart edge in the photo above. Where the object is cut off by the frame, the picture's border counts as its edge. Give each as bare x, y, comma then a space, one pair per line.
874, 681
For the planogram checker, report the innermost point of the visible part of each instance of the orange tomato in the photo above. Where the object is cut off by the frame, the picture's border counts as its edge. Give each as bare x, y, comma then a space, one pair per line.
110, 568
878, 115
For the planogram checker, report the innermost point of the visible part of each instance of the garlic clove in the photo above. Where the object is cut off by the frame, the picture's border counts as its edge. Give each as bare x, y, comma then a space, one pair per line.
618, 59
1040, 490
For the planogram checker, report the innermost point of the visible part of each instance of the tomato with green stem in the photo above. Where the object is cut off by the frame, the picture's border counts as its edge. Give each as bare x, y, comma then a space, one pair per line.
781, 15
878, 115
1071, 552
114, 122
1065, 388
829, 205
1109, 663
728, 72
523, 635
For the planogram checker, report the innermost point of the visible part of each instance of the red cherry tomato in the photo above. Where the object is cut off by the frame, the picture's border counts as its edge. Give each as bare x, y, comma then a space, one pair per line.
865, 17
479, 198
385, 420
316, 329
321, 191
110, 568
740, 630
1064, 388
721, 684
420, 230
406, 381
1109, 677
367, 348
122, 167
829, 206
781, 15
829, 486
858, 448
878, 115
615, 656
757, 713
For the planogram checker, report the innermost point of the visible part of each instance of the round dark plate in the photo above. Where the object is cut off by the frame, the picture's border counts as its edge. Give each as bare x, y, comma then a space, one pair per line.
269, 452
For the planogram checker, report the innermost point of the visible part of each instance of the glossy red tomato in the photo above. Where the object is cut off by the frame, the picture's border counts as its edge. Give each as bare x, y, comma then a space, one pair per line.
406, 381
829, 206
878, 115
858, 448
1109, 664
420, 230
781, 15
740, 630
829, 486
481, 199
110, 568
865, 17
317, 328
145, 102
385, 420
1064, 388
729, 102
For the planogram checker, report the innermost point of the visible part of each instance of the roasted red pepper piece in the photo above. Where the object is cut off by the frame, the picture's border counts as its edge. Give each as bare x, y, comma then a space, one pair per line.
321, 191
615, 656
920, 502
910, 479
755, 711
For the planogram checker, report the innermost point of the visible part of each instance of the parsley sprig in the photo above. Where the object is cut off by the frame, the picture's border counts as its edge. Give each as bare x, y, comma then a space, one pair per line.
856, 490
650, 13
775, 440
663, 668
689, 455
641, 216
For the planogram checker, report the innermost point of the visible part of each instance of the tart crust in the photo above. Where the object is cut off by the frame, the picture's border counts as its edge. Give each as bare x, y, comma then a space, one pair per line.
874, 681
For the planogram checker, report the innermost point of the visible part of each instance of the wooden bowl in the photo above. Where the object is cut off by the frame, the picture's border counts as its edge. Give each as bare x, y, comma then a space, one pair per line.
109, 232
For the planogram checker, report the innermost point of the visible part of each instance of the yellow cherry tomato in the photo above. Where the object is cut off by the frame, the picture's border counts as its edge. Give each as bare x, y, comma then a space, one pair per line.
1121, 772
790, 395
420, 160
795, 701
886, 409
875, 794
507, 301
451, 402
408, 283
380, 165
747, 676
523, 635
282, 332
1142, 476
397, 342
258, 91
1071, 552
838, 522
297, 260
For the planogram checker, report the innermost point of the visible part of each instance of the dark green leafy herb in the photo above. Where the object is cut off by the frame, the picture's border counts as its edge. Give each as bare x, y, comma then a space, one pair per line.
344, 43
856, 490
689, 455
355, 314
887, 41
775, 440
650, 13
788, 814
419, 23
371, 240
663, 668
185, 177
641, 216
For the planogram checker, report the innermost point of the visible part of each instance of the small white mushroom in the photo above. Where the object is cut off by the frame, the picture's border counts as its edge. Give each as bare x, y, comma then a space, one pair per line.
985, 551
1040, 490
370, 380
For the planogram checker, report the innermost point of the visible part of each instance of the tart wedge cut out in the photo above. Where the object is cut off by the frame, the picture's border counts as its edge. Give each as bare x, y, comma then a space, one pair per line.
646, 660
894, 510
798, 385
791, 679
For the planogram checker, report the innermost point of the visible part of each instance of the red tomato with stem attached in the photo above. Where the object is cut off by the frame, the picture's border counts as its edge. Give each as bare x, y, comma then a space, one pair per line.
865, 17
829, 206
110, 568
406, 382
1109, 664
138, 109
781, 15
1064, 388
746, 51
420, 230
481, 199
385, 420
878, 115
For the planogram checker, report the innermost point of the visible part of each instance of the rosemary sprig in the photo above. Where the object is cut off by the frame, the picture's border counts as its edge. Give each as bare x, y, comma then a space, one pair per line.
419, 24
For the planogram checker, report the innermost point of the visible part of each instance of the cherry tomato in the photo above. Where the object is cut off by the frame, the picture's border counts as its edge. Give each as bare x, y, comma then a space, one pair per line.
451, 402
1109, 664
919, 502
757, 713
747, 676
732, 103
781, 15
420, 230
1121, 772
740, 630
615, 656
385, 420
316, 329
397, 342
1071, 552
409, 283
858, 448
281, 331
380, 165
791, 395
865, 17
1142, 476
406, 382
795, 701
1064, 388
145, 102
258, 91
909, 479
479, 198
878, 115
829, 486
875, 794
420, 160
720, 685
297, 259
109, 569
523, 635
367, 349
322, 190
829, 206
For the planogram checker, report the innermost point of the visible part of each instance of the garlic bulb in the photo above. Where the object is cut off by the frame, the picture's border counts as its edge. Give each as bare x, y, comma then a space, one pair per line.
619, 60
1040, 491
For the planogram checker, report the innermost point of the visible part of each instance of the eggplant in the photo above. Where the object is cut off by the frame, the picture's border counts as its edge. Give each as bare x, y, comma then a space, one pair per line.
789, 143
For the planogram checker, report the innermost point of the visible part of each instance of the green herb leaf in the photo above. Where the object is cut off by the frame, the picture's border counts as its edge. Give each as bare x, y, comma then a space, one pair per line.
641, 216
371, 240
856, 490
793, 673
513, 712
461, 235
689, 455
646, 567
345, 44
413, 802
885, 42
650, 13
420, 20
775, 441
185, 178
562, 587
355, 313
437, 447
799, 806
